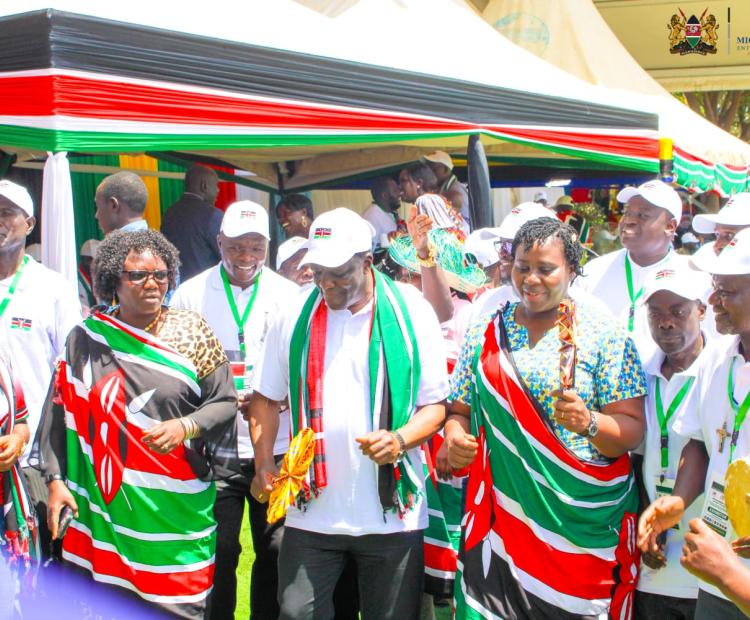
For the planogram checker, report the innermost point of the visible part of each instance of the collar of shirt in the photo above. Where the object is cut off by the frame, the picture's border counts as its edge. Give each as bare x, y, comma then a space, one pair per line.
133, 226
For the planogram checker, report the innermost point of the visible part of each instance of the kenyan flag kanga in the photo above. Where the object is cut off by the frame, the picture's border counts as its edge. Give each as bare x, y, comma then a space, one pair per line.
145, 519
545, 534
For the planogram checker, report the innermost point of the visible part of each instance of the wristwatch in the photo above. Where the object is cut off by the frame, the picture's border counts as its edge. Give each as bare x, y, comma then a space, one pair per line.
593, 428
50, 478
401, 445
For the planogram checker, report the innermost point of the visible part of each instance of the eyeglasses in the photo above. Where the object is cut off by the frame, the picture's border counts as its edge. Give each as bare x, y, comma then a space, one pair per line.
503, 246
139, 276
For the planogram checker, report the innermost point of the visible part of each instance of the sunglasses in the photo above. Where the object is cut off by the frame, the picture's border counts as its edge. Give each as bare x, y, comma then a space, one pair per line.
503, 246
139, 276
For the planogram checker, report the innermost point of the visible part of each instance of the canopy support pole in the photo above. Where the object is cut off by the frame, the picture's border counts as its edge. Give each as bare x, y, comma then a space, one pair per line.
482, 214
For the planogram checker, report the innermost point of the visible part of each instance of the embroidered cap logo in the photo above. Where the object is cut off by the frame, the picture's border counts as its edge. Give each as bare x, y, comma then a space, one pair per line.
247, 214
322, 233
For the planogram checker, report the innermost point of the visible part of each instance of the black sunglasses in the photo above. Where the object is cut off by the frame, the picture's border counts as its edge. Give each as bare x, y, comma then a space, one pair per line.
139, 276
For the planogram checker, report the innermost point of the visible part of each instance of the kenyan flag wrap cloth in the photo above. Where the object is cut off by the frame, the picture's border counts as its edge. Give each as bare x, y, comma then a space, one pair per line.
145, 519
394, 371
545, 534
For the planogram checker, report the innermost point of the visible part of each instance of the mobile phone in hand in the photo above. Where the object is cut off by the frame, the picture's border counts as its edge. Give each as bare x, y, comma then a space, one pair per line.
66, 516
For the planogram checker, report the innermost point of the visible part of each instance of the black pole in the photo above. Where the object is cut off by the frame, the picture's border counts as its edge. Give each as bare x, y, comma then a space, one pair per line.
478, 176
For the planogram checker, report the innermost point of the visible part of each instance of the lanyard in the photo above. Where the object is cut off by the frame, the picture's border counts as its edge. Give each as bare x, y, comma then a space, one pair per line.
239, 321
633, 297
739, 412
664, 419
13, 285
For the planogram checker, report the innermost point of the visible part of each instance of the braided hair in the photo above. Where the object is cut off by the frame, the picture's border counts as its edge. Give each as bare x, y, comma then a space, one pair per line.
541, 230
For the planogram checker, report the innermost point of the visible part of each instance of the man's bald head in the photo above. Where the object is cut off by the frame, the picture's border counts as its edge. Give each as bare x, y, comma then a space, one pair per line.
202, 181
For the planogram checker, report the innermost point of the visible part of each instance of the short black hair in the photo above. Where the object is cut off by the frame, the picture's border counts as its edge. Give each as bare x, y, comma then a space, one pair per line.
128, 188
296, 202
544, 228
423, 173
379, 186
113, 251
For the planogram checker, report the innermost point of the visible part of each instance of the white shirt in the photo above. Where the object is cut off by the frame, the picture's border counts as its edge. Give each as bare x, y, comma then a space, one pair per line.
382, 222
350, 504
35, 325
205, 294
713, 409
673, 579
605, 278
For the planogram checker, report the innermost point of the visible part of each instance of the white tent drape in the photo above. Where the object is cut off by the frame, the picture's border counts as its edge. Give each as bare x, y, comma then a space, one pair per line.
58, 230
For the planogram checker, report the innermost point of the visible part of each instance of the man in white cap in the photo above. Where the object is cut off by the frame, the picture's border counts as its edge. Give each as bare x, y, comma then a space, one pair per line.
38, 309
86, 257
715, 428
450, 187
361, 360
676, 305
239, 298
288, 258
724, 225
649, 220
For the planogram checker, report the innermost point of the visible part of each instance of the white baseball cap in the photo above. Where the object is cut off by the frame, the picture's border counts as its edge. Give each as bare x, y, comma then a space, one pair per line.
481, 244
685, 282
658, 194
18, 196
89, 248
734, 259
245, 217
288, 249
440, 157
735, 213
335, 236
525, 212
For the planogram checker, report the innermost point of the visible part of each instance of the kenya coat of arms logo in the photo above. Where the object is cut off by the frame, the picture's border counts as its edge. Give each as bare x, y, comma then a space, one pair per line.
693, 35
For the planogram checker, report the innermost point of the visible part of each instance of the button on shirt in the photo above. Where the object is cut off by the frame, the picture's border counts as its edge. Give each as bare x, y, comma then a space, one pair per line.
36, 322
605, 278
673, 579
713, 409
205, 295
350, 504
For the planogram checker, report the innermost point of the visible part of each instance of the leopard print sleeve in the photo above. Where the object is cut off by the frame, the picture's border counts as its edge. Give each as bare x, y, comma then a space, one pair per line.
189, 333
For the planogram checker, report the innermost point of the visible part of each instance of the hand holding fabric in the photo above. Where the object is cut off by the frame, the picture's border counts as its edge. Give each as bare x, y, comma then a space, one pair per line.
11, 448
380, 446
165, 436
418, 225
462, 449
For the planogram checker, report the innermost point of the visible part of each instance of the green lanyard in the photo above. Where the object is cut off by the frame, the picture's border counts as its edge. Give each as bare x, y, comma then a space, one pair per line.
739, 412
633, 297
13, 284
239, 321
664, 419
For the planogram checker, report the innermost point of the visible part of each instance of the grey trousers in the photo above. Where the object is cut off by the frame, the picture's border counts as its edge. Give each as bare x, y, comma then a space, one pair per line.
390, 569
712, 607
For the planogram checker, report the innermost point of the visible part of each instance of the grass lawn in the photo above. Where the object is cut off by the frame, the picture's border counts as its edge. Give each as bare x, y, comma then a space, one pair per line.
243, 578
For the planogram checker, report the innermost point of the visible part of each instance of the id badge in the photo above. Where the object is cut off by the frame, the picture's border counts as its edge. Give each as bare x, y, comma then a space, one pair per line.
664, 487
715, 509
243, 377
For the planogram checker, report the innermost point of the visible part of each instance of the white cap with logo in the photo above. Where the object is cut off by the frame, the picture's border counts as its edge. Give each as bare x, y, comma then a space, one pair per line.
245, 217
735, 213
440, 157
335, 236
525, 212
658, 194
288, 249
685, 282
18, 196
734, 259
481, 244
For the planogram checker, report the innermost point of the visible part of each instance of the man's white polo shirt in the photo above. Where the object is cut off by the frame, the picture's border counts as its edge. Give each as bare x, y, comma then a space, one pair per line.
350, 504
605, 278
383, 223
712, 410
35, 324
673, 579
205, 294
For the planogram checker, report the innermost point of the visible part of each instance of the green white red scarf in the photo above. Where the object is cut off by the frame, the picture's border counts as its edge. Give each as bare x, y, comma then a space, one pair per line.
394, 370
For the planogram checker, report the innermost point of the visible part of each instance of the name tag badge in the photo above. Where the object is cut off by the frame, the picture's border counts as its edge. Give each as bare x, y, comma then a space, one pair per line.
247, 379
664, 487
715, 509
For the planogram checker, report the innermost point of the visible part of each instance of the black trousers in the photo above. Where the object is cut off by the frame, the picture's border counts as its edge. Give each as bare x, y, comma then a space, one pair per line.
650, 606
231, 495
39, 496
390, 568
712, 607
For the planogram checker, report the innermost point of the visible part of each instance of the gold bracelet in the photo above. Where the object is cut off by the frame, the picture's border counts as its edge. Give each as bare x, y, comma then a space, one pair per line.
190, 427
428, 262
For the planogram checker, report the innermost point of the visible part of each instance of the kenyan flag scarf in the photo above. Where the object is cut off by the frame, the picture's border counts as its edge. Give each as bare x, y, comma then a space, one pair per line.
545, 534
394, 371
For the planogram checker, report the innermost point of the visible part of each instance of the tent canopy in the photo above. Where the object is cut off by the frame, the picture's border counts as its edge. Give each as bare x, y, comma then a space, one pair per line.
572, 35
295, 96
